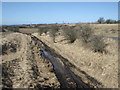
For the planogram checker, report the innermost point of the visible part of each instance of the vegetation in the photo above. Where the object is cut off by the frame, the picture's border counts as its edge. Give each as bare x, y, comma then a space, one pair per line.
15, 29
101, 20
97, 44
86, 35
11, 47
42, 30
82, 32
70, 34
10, 28
53, 31
110, 21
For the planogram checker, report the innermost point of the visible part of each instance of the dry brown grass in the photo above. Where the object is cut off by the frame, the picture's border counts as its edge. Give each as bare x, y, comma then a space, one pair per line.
110, 30
28, 30
103, 67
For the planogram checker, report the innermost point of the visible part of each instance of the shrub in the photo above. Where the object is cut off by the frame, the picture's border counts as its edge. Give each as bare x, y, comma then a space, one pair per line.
70, 34
42, 30
16, 29
12, 28
9, 47
53, 31
97, 44
85, 33
3, 30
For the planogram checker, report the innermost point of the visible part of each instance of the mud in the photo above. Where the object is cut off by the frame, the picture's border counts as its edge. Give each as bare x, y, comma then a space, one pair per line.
65, 70
28, 62
22, 65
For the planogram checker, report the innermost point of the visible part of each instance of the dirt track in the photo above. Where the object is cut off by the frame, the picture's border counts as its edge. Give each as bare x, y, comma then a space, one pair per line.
22, 65
62, 68
68, 69
25, 65
103, 67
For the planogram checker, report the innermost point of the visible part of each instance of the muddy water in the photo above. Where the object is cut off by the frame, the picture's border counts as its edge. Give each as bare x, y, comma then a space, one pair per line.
65, 76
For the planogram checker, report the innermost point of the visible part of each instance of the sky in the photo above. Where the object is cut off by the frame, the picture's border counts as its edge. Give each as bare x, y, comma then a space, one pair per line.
57, 12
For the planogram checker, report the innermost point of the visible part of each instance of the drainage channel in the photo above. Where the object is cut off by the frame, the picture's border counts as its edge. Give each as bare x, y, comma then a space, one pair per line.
65, 76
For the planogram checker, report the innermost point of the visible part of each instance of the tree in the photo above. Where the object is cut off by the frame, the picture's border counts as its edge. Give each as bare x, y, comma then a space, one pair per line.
101, 20
118, 21
108, 21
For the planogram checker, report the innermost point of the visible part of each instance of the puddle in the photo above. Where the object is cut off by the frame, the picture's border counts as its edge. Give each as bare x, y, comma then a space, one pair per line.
66, 77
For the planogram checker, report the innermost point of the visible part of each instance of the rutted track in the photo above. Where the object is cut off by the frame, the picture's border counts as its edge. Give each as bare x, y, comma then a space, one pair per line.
66, 77
22, 66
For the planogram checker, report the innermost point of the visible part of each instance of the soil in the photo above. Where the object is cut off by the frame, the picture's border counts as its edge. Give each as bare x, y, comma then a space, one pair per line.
64, 70
22, 65
102, 67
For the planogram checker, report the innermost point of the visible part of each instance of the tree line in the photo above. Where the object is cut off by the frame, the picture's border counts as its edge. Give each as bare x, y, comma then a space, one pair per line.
101, 20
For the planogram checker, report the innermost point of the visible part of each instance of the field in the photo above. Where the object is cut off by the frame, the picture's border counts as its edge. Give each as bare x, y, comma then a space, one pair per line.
98, 61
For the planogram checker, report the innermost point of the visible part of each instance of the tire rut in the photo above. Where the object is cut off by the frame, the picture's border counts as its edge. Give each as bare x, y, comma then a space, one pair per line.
62, 69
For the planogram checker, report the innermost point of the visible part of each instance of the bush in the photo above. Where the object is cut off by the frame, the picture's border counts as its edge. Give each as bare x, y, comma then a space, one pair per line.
85, 33
97, 44
53, 31
42, 30
13, 28
70, 34
9, 47
16, 29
